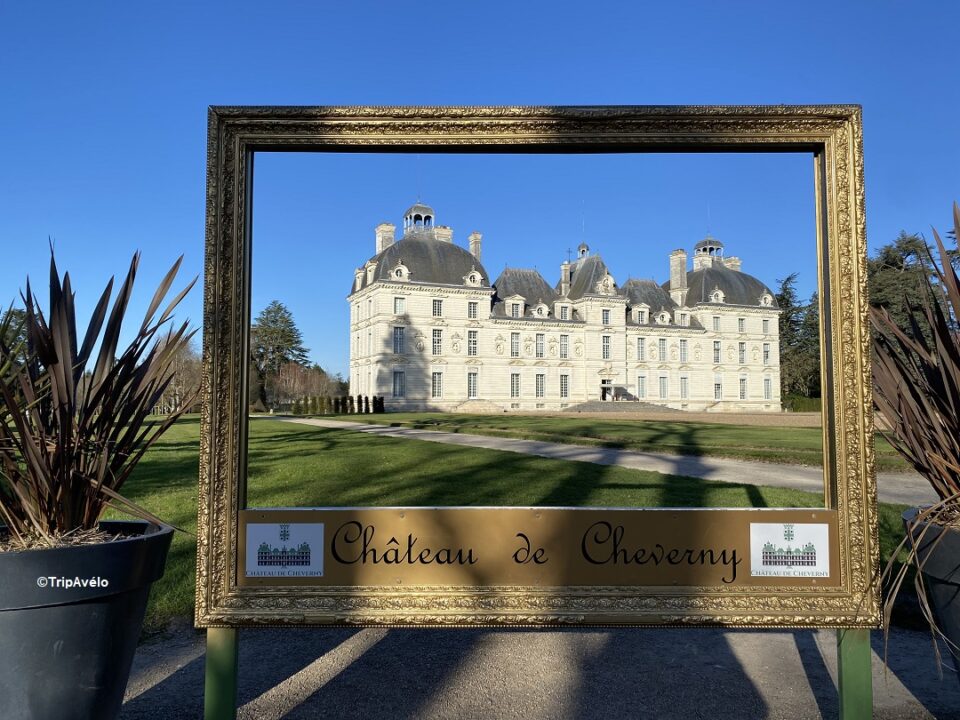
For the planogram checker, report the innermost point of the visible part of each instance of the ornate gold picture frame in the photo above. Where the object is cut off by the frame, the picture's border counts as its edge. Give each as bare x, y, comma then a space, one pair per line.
845, 597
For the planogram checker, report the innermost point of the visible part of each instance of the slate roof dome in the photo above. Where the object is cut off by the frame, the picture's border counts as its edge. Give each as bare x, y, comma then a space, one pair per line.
737, 287
427, 260
527, 283
647, 292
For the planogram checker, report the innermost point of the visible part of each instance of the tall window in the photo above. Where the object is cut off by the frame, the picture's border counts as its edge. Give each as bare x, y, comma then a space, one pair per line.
471, 385
515, 310
438, 308
743, 388
766, 327
539, 347
717, 387
683, 351
684, 387
370, 308
741, 325
399, 384
436, 385
564, 346
766, 353
684, 319
399, 306
437, 342
605, 346
541, 383
663, 387
515, 344
398, 340
564, 386
741, 352
662, 348
472, 310
716, 351
514, 385
606, 317
716, 324
564, 312
642, 317
641, 349
767, 388
641, 386
471, 342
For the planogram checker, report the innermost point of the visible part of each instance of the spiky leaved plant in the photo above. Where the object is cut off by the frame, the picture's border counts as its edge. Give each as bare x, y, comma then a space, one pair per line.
917, 393
70, 438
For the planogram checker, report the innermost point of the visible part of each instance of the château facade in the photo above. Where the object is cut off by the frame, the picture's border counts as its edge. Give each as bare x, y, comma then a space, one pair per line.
429, 330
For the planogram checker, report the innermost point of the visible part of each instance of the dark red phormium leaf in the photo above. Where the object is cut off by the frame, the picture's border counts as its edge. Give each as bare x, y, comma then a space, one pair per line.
69, 437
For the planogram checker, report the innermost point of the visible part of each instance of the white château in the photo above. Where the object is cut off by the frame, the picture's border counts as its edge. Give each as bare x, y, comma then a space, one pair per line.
430, 331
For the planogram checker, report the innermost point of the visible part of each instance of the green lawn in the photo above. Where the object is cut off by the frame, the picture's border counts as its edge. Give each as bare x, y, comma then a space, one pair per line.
802, 446
290, 466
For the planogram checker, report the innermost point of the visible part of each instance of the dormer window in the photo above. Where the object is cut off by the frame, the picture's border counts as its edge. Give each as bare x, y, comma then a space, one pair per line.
542, 310
766, 300
564, 312
642, 316
473, 278
663, 318
516, 309
400, 272
717, 296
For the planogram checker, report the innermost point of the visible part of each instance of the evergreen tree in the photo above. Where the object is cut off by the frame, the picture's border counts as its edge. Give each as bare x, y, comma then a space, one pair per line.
898, 274
274, 341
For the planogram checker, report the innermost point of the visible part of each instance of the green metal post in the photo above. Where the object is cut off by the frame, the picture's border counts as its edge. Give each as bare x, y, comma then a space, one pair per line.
854, 672
220, 685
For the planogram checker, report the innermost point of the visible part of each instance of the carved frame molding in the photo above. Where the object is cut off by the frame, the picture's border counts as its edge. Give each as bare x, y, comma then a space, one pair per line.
831, 134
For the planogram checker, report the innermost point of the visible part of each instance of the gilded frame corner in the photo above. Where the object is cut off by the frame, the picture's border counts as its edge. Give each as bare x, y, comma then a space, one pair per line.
832, 134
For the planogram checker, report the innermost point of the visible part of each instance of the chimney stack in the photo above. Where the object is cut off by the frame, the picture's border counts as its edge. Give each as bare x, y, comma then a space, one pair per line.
385, 233
564, 278
732, 262
678, 276
475, 239
443, 233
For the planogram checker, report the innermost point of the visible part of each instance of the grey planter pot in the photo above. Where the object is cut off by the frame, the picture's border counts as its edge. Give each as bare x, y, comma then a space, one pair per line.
65, 652
938, 553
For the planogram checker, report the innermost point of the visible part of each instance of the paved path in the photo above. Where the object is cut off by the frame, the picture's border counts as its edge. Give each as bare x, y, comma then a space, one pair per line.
581, 674
903, 488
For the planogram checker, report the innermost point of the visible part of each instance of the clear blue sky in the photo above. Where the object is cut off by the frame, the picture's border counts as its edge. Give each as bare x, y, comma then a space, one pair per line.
104, 127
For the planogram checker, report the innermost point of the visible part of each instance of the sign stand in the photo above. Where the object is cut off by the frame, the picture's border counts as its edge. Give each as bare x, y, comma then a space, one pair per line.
854, 678
220, 683
854, 674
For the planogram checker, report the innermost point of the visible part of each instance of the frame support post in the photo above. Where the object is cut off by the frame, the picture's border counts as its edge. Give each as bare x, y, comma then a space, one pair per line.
854, 674
220, 682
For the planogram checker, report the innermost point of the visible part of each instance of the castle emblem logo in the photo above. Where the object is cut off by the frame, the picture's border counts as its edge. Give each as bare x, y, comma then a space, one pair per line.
284, 550
789, 550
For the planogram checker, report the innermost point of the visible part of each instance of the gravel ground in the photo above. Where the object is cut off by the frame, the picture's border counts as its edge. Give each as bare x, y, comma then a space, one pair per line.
586, 674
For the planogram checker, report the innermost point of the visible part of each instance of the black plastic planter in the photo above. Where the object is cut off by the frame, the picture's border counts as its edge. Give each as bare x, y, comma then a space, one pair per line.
70, 619
938, 553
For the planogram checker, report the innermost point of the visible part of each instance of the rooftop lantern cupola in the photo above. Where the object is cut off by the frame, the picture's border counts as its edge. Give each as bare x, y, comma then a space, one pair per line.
418, 219
706, 252
583, 250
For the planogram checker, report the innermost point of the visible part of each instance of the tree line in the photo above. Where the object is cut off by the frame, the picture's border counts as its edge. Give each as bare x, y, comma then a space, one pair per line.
280, 371
897, 276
